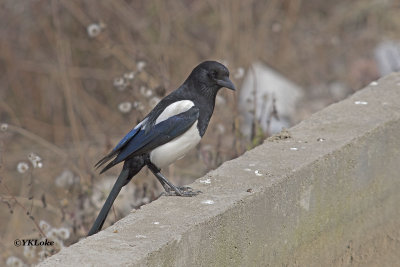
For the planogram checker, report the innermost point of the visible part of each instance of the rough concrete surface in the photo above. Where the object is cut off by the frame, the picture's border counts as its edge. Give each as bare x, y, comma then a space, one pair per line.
326, 196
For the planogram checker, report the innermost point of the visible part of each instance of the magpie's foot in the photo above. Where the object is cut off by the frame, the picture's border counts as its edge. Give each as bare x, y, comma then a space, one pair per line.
185, 188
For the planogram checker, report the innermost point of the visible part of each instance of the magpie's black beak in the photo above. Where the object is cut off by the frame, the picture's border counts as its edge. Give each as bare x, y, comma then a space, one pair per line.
225, 82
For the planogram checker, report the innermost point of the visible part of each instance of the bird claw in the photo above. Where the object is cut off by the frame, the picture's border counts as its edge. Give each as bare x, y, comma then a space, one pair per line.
185, 188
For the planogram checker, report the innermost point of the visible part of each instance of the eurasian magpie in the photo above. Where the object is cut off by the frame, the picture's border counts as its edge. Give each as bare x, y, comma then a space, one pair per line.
167, 133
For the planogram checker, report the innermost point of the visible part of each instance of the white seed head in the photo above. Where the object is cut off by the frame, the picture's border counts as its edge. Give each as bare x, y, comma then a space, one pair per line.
22, 167
119, 81
140, 66
35, 160
45, 226
129, 75
4, 127
138, 105
14, 262
52, 234
148, 93
34, 156
125, 107
66, 178
143, 90
94, 30
29, 252
63, 233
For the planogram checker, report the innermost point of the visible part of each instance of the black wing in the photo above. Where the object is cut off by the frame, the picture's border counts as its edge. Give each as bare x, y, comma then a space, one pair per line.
140, 141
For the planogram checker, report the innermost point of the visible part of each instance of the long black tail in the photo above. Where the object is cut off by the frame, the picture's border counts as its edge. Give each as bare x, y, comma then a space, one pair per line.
131, 168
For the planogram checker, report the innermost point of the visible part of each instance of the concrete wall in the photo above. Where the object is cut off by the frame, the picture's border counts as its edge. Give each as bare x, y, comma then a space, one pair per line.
328, 195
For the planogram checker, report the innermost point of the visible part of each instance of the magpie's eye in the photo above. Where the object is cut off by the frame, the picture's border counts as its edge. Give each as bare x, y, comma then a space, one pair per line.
214, 74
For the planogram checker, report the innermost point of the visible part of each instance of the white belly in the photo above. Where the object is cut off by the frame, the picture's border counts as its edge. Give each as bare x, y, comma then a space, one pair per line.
177, 148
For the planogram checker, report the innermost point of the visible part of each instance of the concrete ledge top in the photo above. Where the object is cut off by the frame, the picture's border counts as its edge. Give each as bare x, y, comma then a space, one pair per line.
173, 231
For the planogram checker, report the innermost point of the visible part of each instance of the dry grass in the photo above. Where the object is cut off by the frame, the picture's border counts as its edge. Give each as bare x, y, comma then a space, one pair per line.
58, 98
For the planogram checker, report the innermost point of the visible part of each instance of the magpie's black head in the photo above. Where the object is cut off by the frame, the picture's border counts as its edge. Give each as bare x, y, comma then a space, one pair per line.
211, 76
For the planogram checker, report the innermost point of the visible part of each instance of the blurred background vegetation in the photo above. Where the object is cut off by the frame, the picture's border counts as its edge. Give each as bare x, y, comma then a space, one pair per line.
75, 76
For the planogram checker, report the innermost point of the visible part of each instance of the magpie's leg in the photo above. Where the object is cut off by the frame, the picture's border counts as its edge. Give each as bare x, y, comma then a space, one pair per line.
170, 189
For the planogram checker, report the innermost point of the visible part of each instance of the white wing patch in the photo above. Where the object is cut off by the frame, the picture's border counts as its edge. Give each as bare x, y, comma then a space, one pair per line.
174, 109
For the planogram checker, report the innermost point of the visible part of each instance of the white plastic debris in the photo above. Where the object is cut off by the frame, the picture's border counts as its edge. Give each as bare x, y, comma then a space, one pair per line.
208, 202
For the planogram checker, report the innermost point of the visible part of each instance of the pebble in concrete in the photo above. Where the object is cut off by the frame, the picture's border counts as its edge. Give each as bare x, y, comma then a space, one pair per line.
361, 102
